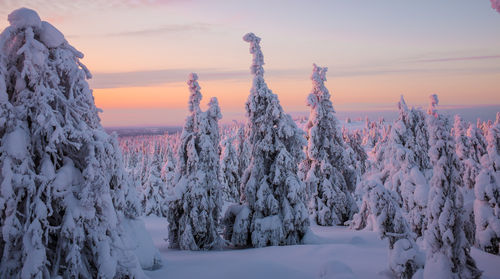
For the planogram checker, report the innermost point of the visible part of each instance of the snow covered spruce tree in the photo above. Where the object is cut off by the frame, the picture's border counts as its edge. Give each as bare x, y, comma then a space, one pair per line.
194, 210
404, 164
154, 192
228, 175
469, 169
356, 152
243, 150
168, 169
380, 212
448, 251
326, 168
66, 205
487, 189
274, 210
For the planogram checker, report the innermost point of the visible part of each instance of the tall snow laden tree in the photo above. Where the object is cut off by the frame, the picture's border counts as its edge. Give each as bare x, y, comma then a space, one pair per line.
326, 169
381, 212
274, 210
448, 251
195, 208
469, 169
404, 164
64, 198
487, 189
154, 191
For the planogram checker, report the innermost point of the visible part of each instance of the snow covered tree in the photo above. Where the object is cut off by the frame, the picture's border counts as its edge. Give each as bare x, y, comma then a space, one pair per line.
356, 151
274, 211
65, 199
243, 151
404, 164
448, 251
168, 169
326, 168
380, 212
194, 210
154, 190
487, 190
469, 169
477, 142
371, 134
229, 176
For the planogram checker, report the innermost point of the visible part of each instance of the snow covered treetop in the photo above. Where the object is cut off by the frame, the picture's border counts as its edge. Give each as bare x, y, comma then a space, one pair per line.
403, 108
320, 92
402, 104
319, 74
24, 17
194, 89
49, 35
214, 109
258, 58
432, 105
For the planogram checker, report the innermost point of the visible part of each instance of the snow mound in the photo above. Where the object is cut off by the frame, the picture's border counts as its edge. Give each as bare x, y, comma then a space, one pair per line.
16, 143
336, 269
24, 17
50, 36
144, 248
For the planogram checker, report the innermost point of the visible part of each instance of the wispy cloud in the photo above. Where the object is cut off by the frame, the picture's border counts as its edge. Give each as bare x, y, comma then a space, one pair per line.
465, 58
166, 76
63, 9
64, 5
156, 77
162, 30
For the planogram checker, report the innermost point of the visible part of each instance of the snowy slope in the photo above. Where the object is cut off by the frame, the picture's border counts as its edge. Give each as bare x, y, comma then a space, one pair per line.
333, 252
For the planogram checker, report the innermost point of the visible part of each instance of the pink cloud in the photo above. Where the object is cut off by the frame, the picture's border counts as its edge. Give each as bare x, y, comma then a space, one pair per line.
483, 57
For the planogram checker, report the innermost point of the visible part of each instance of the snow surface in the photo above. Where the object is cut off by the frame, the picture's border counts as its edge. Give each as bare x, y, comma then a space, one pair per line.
330, 252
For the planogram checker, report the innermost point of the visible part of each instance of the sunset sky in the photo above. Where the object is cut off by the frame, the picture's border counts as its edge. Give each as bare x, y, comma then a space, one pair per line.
141, 52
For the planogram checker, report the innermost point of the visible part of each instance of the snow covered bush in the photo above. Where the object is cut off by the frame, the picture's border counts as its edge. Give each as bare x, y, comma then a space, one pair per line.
487, 190
274, 211
327, 174
448, 251
381, 212
65, 196
195, 207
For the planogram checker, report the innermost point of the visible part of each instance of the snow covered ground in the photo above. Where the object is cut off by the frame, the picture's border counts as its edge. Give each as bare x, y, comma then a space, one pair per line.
331, 252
